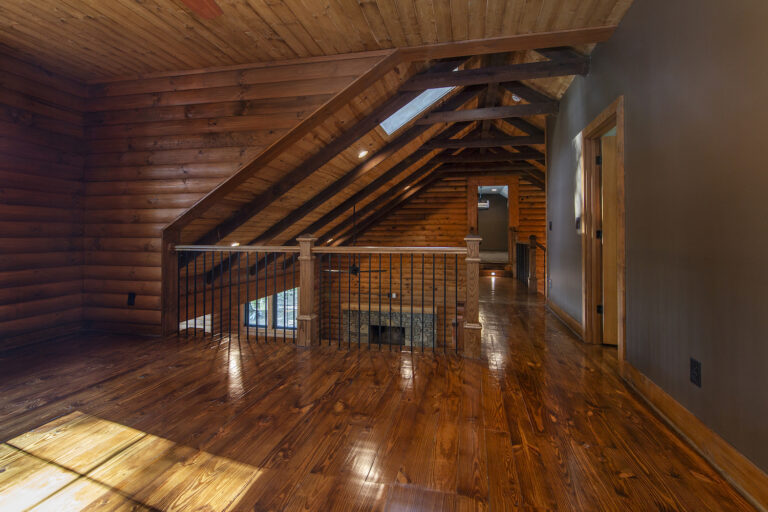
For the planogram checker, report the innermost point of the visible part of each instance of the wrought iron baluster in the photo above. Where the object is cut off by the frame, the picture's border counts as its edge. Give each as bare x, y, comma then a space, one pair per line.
247, 297
456, 302
221, 295
179, 259
434, 306
293, 296
378, 292
422, 303
229, 304
237, 304
205, 285
349, 302
445, 300
389, 330
359, 311
285, 316
194, 300
186, 299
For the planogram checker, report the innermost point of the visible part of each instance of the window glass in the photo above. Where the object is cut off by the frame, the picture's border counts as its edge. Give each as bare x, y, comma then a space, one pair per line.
285, 306
257, 313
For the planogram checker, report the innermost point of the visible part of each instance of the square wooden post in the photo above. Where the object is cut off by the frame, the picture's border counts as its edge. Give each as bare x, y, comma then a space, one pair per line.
512, 264
307, 317
532, 279
472, 327
169, 299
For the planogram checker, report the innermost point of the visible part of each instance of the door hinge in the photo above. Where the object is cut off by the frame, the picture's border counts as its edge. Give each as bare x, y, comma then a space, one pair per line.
599, 234
599, 309
599, 160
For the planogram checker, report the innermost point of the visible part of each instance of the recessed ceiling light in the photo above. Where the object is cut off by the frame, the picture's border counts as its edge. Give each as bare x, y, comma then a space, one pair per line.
494, 190
330, 240
493, 273
515, 98
362, 153
235, 244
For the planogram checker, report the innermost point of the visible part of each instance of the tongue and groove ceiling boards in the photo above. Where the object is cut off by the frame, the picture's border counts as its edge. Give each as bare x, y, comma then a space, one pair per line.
93, 39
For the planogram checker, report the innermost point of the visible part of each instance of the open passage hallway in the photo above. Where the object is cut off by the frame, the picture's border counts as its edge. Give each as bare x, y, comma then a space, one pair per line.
102, 422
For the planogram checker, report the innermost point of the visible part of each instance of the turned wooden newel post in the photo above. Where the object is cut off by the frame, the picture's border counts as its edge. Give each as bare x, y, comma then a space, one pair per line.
307, 316
532, 280
472, 325
512, 264
169, 298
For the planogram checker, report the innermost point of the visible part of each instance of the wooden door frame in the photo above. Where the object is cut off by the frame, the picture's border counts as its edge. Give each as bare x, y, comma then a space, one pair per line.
591, 270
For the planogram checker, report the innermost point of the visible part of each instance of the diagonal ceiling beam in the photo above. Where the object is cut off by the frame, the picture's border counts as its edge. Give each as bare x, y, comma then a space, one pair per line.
468, 158
317, 160
378, 201
490, 142
337, 186
526, 71
379, 182
480, 114
382, 212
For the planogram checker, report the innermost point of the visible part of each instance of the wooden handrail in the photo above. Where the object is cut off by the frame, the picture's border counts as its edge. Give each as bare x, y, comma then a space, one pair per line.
389, 250
323, 250
237, 248
442, 321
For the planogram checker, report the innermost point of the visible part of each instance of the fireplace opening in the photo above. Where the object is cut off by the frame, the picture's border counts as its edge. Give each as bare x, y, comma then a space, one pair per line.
386, 334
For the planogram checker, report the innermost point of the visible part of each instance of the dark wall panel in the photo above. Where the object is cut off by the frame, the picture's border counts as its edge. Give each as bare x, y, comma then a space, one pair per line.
696, 214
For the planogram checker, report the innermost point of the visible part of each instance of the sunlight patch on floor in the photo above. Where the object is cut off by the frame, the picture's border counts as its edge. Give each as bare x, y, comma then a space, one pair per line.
80, 461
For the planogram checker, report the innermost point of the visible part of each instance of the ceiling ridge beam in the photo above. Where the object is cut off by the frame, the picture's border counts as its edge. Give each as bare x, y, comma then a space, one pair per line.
489, 113
514, 72
490, 142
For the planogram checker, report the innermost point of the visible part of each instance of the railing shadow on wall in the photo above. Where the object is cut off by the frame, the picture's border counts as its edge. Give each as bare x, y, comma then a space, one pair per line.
421, 299
524, 260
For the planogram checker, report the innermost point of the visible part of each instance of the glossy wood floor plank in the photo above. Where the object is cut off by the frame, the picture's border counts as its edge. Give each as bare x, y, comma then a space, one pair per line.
99, 422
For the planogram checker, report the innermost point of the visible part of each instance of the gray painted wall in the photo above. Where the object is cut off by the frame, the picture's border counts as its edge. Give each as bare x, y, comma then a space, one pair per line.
694, 74
492, 224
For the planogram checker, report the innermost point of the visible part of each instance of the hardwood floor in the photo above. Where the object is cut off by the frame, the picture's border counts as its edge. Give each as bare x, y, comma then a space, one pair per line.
103, 422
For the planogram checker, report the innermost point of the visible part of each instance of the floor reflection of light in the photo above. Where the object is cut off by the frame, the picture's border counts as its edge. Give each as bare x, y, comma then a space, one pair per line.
235, 378
81, 461
406, 372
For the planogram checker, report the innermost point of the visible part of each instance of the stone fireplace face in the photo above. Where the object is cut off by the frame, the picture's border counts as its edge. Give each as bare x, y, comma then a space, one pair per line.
406, 329
386, 334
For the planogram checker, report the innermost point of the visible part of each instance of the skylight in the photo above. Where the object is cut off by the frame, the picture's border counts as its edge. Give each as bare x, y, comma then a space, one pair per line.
415, 107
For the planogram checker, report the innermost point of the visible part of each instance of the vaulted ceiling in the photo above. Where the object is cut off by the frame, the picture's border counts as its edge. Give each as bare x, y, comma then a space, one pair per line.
491, 123
92, 40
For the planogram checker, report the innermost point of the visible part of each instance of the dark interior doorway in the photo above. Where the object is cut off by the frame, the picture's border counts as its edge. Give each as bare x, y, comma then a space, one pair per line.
493, 222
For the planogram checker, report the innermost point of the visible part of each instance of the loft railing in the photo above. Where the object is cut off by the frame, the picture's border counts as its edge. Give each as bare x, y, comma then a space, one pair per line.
394, 298
525, 262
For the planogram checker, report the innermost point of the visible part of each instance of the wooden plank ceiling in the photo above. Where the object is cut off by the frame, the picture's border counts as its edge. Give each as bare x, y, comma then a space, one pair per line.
491, 123
95, 40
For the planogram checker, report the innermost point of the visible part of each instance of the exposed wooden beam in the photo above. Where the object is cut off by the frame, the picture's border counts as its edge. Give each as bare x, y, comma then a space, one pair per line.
560, 53
382, 212
492, 93
379, 182
574, 37
480, 114
526, 71
479, 169
314, 162
371, 163
522, 124
491, 142
525, 92
468, 158
404, 185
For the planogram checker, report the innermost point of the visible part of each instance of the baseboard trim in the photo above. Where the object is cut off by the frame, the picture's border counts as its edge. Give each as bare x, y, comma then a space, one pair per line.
739, 471
570, 322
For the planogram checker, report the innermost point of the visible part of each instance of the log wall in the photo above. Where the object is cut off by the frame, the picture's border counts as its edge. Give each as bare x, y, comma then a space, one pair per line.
158, 145
41, 172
